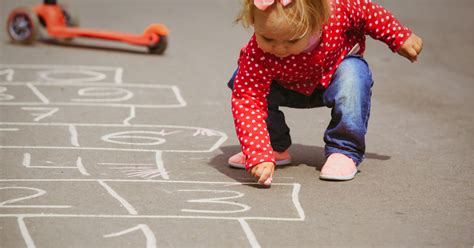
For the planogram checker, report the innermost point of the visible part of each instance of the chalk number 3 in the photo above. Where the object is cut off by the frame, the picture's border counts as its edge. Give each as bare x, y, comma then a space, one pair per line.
218, 200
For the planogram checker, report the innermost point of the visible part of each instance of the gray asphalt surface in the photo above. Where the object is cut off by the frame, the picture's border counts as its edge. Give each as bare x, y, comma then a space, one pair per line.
104, 145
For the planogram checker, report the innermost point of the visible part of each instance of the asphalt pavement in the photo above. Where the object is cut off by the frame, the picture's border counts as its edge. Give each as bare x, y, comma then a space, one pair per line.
105, 145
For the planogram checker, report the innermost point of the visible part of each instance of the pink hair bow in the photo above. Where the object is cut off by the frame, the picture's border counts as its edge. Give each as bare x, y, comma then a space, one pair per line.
264, 4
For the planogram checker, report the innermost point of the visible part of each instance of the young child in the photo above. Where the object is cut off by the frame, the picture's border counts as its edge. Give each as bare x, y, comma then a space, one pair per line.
306, 54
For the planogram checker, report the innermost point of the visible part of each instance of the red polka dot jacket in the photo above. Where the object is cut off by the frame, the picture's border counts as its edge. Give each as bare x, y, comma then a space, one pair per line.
347, 26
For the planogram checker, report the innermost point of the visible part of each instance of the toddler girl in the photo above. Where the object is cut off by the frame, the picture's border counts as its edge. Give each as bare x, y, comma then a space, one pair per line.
306, 54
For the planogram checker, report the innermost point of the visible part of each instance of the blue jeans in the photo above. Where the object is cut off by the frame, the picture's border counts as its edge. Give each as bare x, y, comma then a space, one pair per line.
348, 96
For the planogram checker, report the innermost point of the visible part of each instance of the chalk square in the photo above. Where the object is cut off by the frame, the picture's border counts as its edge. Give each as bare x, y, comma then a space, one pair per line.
121, 232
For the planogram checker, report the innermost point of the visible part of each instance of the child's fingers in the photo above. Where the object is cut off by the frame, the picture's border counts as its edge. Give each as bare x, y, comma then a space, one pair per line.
417, 48
267, 175
411, 54
256, 171
420, 43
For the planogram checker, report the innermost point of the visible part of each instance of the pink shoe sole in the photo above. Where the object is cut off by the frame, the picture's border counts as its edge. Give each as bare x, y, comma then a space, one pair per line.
338, 178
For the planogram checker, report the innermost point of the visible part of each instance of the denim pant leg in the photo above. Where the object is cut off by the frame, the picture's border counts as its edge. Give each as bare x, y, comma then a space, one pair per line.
278, 130
349, 97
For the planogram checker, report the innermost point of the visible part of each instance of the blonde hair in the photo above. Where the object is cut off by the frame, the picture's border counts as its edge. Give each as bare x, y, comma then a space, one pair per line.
304, 15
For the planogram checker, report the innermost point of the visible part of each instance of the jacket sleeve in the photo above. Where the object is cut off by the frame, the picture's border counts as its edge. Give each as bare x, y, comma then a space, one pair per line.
249, 108
377, 22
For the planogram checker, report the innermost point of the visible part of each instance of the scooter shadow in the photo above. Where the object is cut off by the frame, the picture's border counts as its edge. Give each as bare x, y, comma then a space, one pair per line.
312, 156
112, 47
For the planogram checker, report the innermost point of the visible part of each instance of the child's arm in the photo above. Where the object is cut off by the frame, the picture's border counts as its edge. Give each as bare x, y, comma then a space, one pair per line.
249, 108
380, 24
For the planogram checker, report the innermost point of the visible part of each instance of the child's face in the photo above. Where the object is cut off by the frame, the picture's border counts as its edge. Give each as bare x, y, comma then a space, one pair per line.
275, 36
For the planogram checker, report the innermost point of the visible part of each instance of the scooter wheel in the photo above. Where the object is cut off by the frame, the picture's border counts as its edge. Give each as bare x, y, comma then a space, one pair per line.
22, 26
160, 46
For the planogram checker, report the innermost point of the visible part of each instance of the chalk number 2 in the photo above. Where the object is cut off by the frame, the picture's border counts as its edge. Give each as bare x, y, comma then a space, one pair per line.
3, 96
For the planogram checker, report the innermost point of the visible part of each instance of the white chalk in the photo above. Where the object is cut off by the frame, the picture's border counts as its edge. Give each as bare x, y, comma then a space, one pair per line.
268, 182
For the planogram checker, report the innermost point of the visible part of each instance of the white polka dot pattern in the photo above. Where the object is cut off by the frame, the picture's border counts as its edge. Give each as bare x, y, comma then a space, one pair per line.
348, 24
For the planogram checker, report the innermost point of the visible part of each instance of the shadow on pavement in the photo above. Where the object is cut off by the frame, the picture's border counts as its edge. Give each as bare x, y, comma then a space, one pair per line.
312, 156
105, 48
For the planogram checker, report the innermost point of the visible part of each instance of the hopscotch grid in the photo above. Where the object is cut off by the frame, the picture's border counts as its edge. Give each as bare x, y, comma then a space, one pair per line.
117, 71
59, 104
105, 216
9, 129
249, 233
160, 166
81, 167
233, 183
131, 210
45, 101
295, 197
220, 141
25, 233
74, 135
131, 115
101, 149
41, 116
126, 123
53, 66
38, 93
173, 88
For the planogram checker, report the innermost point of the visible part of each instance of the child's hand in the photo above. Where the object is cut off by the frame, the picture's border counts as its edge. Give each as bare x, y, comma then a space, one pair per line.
411, 48
263, 172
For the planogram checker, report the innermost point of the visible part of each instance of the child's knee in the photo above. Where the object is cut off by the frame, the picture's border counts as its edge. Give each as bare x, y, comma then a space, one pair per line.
353, 79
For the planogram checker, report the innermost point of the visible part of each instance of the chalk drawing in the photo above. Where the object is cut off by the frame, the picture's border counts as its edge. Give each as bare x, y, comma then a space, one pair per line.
211, 139
44, 112
131, 210
295, 189
95, 94
9, 74
142, 170
79, 166
217, 200
9, 129
249, 233
25, 233
150, 237
148, 139
3, 96
74, 136
61, 73
88, 76
109, 94
57, 87
39, 192
159, 164
38, 93
126, 122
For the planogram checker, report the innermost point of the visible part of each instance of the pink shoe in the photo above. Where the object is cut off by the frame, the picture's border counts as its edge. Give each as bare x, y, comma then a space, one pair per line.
338, 167
238, 160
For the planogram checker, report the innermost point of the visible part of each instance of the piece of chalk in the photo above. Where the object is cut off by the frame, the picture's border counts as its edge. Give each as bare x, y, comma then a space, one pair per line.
268, 182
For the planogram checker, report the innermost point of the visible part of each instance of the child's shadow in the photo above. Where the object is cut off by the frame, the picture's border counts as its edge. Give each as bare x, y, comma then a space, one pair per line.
301, 154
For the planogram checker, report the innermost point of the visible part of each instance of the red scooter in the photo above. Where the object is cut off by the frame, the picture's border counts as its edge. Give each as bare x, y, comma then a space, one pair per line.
24, 25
